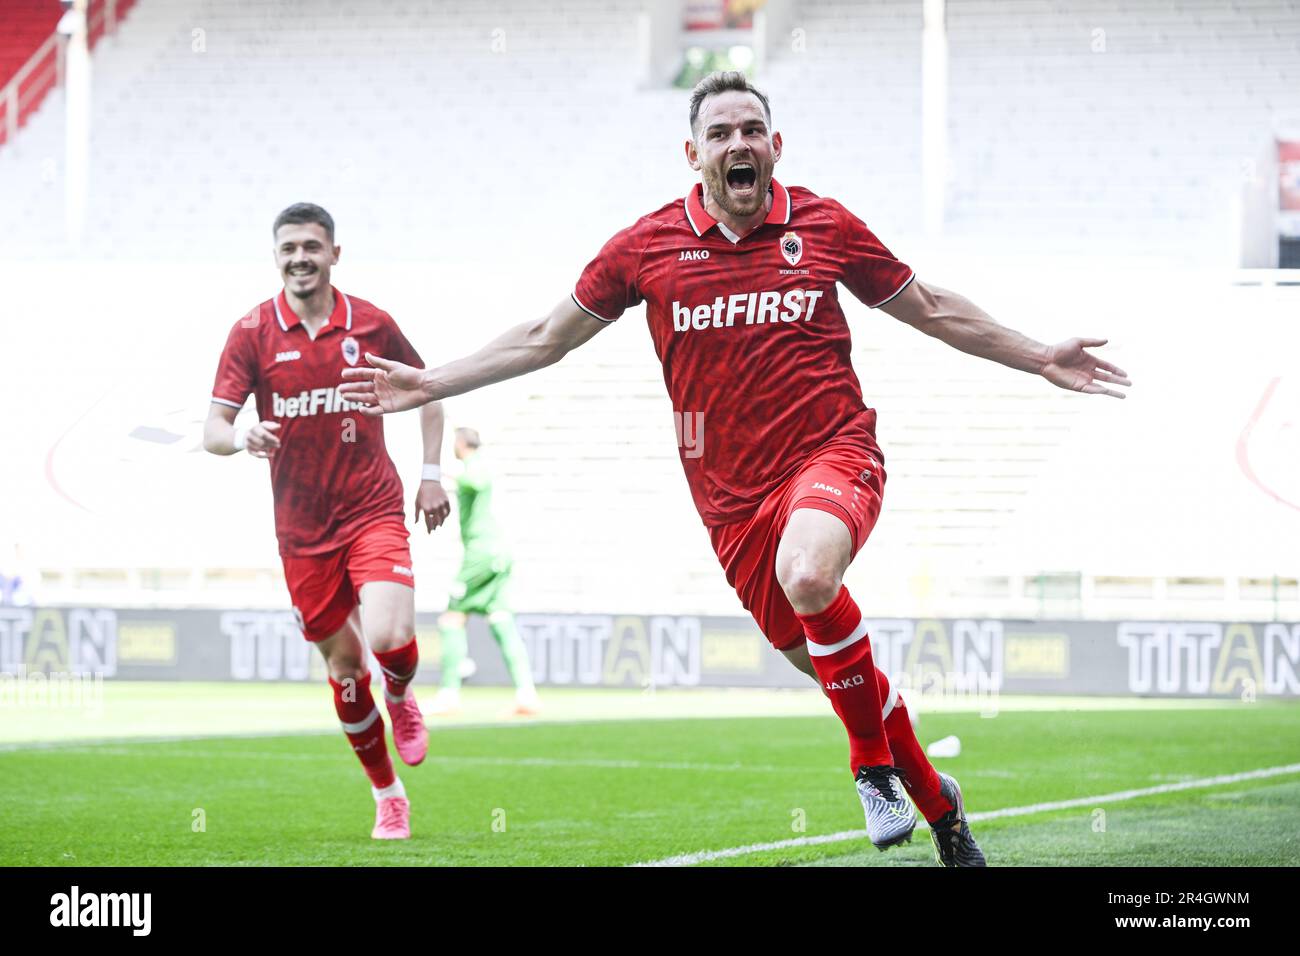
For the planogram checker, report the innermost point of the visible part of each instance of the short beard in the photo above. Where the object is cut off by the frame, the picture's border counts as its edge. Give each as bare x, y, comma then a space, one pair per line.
717, 187
303, 295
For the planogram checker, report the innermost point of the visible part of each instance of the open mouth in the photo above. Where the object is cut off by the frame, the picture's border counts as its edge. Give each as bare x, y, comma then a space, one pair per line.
742, 178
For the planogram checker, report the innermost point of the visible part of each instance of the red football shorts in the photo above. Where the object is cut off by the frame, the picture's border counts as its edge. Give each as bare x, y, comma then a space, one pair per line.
845, 478
325, 587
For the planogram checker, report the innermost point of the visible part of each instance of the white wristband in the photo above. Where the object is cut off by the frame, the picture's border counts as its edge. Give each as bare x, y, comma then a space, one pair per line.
431, 473
241, 438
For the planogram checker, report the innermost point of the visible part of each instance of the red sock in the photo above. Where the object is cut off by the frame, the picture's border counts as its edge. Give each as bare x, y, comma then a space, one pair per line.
919, 776
356, 708
398, 666
846, 675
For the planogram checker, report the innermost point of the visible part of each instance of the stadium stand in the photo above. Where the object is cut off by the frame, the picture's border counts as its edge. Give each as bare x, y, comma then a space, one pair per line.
491, 148
1129, 124
31, 58
25, 74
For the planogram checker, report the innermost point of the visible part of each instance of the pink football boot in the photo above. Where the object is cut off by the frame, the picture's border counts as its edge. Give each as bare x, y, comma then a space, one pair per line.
392, 819
410, 736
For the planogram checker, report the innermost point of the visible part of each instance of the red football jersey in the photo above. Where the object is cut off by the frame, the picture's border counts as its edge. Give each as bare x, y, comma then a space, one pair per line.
332, 475
754, 346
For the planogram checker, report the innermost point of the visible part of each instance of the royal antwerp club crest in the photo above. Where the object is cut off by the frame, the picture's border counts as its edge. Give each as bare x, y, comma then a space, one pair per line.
792, 248
351, 350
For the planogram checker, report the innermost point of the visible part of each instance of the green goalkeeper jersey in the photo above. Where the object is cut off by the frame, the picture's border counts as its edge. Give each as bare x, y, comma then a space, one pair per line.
478, 528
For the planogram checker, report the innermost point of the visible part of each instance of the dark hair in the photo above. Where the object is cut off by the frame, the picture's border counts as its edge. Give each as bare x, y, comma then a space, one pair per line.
303, 212
723, 81
469, 436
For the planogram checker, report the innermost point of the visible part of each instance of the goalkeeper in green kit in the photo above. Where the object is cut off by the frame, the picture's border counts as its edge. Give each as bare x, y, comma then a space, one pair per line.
480, 587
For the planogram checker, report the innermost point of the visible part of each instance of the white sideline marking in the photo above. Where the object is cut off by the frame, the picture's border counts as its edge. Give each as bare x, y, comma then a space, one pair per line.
90, 743
127, 749
704, 856
79, 743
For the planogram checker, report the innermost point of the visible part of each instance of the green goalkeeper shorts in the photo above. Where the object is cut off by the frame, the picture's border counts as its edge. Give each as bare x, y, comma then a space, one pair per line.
481, 585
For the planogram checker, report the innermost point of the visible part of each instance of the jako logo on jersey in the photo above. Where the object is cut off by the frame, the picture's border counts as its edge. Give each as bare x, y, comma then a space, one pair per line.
690, 254
288, 356
792, 248
747, 308
817, 485
319, 401
857, 680
405, 572
351, 350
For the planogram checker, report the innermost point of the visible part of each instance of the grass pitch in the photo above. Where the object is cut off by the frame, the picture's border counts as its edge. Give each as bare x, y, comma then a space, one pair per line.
613, 778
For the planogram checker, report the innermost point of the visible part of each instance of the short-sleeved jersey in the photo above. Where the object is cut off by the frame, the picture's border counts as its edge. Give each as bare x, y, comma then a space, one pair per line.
478, 527
754, 345
332, 475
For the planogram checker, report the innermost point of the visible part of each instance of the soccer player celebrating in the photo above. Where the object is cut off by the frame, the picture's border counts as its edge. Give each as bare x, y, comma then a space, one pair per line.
339, 515
740, 284
480, 586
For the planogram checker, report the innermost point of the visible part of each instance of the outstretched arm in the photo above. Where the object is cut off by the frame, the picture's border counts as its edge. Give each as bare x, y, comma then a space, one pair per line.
394, 387
959, 322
